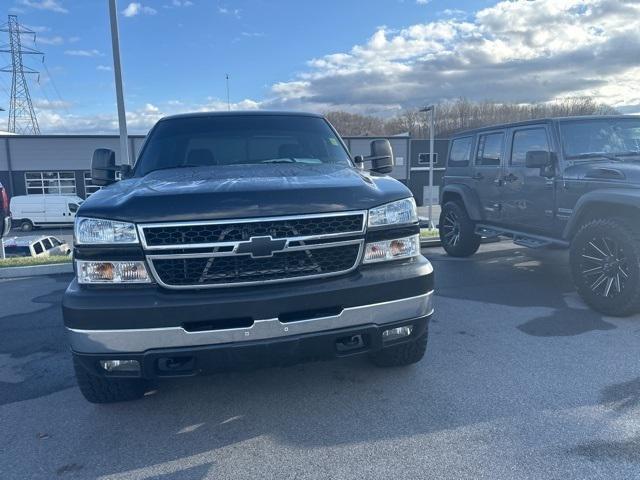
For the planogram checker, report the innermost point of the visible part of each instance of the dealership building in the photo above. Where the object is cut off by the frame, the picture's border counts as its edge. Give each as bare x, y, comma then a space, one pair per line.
60, 164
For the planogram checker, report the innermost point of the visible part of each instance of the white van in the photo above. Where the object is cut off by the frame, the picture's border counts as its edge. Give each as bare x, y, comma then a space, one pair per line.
29, 211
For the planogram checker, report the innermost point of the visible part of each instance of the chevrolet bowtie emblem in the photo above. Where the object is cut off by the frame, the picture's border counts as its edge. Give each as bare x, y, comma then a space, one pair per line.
261, 246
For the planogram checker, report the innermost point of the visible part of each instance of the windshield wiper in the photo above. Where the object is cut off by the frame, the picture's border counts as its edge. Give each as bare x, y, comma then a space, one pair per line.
594, 155
281, 160
188, 165
630, 153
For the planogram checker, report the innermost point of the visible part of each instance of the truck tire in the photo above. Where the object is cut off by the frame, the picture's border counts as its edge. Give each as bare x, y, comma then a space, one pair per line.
107, 390
26, 225
401, 355
457, 231
605, 265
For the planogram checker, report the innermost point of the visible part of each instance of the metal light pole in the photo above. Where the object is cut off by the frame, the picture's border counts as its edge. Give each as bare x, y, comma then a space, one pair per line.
117, 70
432, 124
228, 101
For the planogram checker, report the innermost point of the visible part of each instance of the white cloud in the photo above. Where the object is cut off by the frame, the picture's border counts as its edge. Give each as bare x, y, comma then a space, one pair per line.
55, 40
44, 104
520, 50
182, 3
103, 68
422, 2
230, 11
139, 120
51, 5
135, 8
84, 53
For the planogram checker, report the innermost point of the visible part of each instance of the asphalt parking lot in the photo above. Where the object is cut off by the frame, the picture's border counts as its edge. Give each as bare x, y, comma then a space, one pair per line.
520, 381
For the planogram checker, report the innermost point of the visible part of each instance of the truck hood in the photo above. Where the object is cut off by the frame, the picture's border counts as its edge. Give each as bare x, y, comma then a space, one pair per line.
626, 172
241, 191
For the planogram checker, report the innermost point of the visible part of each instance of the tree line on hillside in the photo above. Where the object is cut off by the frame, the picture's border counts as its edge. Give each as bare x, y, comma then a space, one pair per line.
462, 114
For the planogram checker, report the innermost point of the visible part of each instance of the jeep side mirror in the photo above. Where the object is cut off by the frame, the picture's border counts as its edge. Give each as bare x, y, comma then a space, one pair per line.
381, 156
537, 159
103, 167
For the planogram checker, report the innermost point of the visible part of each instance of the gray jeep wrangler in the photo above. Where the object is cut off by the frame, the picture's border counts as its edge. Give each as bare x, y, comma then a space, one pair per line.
565, 182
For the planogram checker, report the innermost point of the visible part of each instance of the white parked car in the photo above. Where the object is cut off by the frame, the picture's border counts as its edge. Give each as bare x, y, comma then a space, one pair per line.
35, 246
29, 211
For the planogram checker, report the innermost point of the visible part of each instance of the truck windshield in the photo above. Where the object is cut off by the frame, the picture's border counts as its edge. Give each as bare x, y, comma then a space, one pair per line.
214, 141
606, 138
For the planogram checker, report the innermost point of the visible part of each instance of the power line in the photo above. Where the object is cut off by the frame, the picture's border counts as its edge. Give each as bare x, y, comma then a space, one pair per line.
22, 116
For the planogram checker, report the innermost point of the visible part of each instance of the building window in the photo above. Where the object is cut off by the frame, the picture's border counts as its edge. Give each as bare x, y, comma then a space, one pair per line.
423, 159
90, 188
50, 183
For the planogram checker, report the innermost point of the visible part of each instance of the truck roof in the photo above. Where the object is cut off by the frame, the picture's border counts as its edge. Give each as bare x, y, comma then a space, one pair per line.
540, 120
241, 113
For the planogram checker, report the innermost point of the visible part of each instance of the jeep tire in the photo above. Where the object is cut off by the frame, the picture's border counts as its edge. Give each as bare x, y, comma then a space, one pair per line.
457, 231
98, 389
605, 265
401, 355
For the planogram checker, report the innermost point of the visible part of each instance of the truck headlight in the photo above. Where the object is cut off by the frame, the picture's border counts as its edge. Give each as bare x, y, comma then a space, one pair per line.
394, 213
95, 231
97, 272
395, 249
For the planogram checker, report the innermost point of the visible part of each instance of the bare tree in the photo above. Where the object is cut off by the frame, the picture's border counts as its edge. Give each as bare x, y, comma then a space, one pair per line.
463, 114
353, 124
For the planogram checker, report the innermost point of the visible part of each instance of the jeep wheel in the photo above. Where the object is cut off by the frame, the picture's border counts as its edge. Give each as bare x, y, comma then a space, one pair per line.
107, 390
401, 355
457, 231
605, 264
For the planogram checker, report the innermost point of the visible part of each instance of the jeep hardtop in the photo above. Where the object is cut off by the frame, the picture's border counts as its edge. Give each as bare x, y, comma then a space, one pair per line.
565, 182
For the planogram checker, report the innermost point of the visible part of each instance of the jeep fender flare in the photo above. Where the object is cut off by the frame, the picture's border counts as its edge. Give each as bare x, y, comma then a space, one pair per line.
627, 197
469, 198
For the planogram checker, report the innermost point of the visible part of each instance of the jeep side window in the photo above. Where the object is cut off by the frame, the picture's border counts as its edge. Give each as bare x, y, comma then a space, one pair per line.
37, 247
525, 141
490, 148
460, 154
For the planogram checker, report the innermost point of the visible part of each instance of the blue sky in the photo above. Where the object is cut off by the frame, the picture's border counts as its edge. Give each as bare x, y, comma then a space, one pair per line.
375, 56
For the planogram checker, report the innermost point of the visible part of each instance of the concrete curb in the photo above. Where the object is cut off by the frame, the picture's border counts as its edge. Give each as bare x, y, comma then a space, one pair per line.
18, 272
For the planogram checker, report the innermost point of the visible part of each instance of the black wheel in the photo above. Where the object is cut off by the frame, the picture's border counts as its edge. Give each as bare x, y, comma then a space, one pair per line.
107, 390
457, 231
605, 264
401, 355
26, 225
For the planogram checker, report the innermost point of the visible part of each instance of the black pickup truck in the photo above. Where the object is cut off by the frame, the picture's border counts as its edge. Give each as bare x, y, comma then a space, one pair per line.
243, 239
562, 182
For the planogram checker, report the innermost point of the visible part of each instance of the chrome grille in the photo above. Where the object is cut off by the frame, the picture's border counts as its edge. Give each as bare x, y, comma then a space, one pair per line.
243, 269
198, 234
251, 251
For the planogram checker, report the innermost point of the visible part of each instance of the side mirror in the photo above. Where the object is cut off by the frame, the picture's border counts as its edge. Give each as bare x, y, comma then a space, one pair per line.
359, 161
125, 171
537, 159
103, 167
381, 156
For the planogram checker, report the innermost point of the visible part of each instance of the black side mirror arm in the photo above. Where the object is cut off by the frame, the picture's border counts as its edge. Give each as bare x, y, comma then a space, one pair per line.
125, 170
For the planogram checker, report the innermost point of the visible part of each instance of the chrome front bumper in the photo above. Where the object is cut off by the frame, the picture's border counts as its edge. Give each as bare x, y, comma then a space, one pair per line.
141, 340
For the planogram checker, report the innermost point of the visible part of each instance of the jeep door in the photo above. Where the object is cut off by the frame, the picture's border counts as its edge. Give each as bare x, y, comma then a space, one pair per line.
528, 193
487, 174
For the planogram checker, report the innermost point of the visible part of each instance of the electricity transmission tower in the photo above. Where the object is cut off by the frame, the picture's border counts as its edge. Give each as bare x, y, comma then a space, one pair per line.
22, 117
